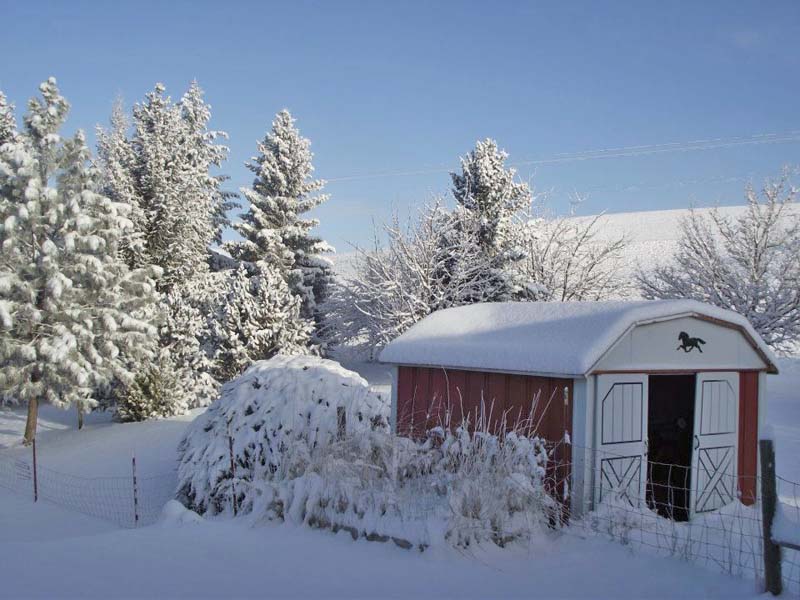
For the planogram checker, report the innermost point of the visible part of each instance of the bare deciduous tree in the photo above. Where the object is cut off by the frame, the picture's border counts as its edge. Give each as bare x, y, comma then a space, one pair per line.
565, 260
428, 265
749, 264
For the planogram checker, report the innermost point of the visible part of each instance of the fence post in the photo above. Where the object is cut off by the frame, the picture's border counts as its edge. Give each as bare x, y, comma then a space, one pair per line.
135, 494
35, 475
341, 422
233, 475
769, 498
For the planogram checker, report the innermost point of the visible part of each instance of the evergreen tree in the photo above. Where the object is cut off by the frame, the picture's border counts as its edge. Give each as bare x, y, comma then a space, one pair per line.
186, 337
178, 222
204, 153
117, 162
492, 201
488, 191
69, 306
258, 318
8, 123
164, 172
156, 392
274, 229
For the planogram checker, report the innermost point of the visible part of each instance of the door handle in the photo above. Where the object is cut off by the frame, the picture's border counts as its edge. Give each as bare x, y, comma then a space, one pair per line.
696, 442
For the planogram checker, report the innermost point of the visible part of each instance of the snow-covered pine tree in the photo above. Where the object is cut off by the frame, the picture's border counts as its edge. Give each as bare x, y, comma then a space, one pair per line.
258, 318
118, 162
156, 392
187, 336
179, 220
205, 153
164, 171
493, 200
273, 228
8, 123
69, 305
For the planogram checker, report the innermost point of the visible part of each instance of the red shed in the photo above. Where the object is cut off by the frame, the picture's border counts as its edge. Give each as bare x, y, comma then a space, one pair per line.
649, 399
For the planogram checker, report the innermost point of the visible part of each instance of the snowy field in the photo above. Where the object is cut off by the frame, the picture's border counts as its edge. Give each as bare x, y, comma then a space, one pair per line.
651, 236
86, 557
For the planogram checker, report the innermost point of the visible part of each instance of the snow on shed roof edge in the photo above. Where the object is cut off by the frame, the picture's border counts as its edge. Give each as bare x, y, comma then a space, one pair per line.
571, 336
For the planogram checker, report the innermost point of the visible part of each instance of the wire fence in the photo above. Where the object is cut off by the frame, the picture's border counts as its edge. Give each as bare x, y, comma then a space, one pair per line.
714, 519
125, 501
655, 508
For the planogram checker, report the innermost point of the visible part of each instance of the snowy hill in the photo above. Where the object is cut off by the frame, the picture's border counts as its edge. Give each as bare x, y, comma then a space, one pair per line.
652, 235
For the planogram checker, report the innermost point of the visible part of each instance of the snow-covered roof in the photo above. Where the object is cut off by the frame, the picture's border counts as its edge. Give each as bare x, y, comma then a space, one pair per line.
557, 338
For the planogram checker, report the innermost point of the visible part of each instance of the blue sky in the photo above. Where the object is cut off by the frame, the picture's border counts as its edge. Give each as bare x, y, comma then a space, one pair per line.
405, 88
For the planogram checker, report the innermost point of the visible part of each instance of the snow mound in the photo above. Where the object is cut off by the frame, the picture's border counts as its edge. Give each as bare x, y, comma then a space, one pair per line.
175, 513
559, 338
271, 418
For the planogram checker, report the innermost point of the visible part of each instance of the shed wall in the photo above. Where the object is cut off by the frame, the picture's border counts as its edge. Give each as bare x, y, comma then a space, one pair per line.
428, 397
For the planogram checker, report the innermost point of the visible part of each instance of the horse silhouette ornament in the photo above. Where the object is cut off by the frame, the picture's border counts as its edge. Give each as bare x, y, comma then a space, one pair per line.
689, 343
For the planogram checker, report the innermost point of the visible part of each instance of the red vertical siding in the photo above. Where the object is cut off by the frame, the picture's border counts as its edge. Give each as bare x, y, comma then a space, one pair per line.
476, 395
405, 389
518, 404
458, 402
437, 408
748, 435
497, 391
426, 395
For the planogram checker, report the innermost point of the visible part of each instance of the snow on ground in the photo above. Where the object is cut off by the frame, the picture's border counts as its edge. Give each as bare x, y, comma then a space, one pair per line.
783, 414
50, 552
226, 559
102, 448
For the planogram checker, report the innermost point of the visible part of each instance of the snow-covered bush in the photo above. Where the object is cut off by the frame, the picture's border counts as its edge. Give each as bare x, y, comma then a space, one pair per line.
282, 419
277, 412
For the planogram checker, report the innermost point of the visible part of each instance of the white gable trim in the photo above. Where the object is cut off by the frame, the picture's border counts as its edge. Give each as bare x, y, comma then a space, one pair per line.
768, 365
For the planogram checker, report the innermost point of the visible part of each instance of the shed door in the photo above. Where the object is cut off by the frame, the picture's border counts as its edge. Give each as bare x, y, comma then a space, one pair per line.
714, 456
621, 463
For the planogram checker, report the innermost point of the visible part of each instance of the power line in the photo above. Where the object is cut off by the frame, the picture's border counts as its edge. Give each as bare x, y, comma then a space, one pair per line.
605, 153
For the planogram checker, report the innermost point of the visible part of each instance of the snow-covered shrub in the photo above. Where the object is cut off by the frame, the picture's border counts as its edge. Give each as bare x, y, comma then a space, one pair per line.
458, 488
277, 412
282, 418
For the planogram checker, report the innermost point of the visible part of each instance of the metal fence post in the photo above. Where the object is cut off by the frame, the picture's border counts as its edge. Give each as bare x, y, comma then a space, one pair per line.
341, 423
233, 475
135, 494
35, 476
769, 498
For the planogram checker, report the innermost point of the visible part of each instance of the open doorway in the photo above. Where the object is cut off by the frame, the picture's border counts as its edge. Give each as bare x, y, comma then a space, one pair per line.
669, 430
